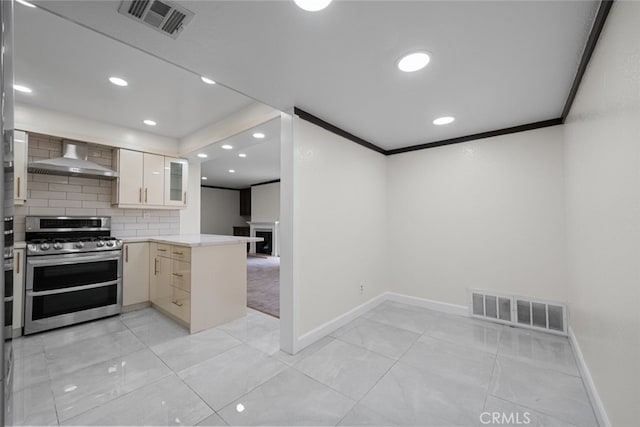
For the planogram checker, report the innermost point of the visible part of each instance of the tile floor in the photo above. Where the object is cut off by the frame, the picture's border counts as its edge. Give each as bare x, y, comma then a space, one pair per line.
396, 365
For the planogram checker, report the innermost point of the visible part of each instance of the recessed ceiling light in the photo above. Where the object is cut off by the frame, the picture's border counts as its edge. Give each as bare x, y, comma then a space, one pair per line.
413, 62
202, 155
207, 81
23, 89
204, 178
232, 171
258, 135
242, 155
312, 5
118, 81
26, 3
149, 122
227, 147
443, 120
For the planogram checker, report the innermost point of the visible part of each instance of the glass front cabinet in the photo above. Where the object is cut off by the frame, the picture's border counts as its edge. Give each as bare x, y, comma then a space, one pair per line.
176, 177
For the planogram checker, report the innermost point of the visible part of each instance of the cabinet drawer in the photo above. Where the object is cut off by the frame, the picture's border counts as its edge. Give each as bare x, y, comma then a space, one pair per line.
181, 305
181, 253
163, 249
181, 272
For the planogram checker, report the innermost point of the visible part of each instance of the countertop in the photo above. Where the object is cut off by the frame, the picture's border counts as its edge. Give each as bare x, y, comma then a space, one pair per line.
195, 240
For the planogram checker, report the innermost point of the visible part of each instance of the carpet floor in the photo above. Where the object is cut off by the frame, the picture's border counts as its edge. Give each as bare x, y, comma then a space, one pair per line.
263, 284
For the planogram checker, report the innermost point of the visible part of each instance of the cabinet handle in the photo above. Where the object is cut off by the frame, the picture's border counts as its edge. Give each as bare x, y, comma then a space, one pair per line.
145, 195
177, 274
140, 195
185, 197
162, 250
17, 262
126, 253
18, 191
178, 253
155, 266
175, 301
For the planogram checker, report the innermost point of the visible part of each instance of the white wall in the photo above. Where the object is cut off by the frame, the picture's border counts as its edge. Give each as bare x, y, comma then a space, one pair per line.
265, 202
339, 214
485, 214
602, 159
220, 211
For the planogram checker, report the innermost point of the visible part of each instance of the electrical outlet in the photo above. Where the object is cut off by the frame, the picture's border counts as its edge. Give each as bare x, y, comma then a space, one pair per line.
361, 288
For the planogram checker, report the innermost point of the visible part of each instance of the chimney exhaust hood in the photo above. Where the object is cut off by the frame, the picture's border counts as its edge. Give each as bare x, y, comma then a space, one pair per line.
72, 163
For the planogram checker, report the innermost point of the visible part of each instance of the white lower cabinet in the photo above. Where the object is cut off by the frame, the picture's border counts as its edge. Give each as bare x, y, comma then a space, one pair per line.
199, 287
135, 273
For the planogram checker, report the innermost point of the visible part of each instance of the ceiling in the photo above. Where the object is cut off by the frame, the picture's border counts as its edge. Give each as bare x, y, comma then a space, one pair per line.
261, 164
494, 64
67, 66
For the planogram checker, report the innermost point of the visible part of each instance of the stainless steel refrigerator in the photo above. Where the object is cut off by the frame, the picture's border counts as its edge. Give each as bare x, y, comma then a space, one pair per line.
6, 207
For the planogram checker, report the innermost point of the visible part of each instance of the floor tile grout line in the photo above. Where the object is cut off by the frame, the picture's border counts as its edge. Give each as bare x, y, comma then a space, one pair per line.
395, 362
537, 365
493, 369
119, 397
146, 347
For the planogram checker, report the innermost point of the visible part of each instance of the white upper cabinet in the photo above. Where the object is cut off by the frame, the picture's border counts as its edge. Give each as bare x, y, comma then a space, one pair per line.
175, 181
20, 143
154, 172
149, 180
129, 185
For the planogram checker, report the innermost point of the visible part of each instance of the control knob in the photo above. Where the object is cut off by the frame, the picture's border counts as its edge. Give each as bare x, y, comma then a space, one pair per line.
110, 243
79, 245
57, 245
118, 242
100, 243
44, 246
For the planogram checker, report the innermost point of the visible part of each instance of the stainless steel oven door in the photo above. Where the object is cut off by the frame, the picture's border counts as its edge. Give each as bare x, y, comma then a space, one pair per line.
66, 289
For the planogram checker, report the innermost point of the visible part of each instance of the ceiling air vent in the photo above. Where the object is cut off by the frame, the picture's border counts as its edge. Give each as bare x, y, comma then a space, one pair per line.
164, 16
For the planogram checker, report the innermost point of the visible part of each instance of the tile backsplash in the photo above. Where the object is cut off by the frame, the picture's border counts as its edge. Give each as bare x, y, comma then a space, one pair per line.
60, 195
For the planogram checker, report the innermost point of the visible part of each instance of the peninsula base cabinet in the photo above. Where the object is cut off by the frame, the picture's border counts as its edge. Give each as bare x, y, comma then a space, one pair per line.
135, 275
199, 287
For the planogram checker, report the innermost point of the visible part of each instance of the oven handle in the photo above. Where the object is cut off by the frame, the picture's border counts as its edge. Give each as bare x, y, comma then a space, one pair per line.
65, 290
58, 260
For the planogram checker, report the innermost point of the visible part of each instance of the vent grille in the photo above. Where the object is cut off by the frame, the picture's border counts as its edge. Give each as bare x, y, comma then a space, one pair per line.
517, 311
137, 8
163, 16
174, 22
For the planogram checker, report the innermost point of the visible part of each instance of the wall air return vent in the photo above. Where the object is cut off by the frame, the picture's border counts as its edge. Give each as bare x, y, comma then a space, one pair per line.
518, 311
163, 16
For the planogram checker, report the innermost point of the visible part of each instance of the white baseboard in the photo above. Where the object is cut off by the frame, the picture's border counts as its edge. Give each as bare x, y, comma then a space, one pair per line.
334, 324
444, 307
596, 402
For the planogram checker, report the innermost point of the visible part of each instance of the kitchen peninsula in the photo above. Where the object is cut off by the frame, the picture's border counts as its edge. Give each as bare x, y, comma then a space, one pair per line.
199, 280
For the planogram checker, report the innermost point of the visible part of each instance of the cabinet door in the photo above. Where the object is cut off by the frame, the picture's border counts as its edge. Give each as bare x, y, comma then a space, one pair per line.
135, 275
20, 144
153, 179
130, 177
175, 181
163, 289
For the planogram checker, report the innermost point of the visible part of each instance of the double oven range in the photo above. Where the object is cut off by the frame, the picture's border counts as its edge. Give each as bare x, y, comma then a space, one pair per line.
73, 271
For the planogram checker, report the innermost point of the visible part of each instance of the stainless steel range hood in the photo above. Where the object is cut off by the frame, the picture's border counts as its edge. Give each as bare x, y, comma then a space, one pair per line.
72, 163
